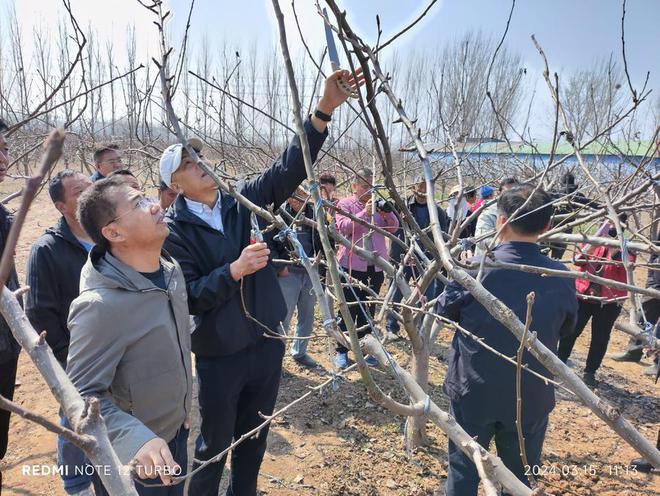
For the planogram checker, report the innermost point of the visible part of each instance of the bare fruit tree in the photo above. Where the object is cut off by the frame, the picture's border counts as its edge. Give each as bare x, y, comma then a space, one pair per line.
411, 117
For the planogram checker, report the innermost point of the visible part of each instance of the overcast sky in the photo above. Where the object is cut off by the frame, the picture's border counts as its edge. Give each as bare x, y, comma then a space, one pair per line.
574, 33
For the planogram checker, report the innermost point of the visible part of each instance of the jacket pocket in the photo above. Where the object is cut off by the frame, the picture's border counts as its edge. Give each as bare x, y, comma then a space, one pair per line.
154, 400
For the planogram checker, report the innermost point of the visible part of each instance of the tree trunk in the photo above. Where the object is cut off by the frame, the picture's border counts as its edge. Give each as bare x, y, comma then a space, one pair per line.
416, 426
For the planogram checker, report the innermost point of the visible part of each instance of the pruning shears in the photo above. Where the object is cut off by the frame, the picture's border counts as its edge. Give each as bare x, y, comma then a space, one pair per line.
255, 233
333, 55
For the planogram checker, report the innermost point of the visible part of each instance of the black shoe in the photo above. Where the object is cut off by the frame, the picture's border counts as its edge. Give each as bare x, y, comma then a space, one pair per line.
642, 465
627, 356
306, 361
589, 379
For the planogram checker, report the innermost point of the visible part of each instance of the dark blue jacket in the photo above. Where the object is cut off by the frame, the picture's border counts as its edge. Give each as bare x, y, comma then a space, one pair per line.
97, 176
420, 213
53, 274
9, 348
214, 298
308, 236
484, 383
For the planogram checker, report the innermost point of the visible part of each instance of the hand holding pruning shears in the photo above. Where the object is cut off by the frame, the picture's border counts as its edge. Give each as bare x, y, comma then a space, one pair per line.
255, 232
343, 80
254, 257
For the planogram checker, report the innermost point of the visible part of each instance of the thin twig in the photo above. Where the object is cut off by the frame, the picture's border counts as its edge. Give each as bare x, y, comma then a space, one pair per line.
519, 356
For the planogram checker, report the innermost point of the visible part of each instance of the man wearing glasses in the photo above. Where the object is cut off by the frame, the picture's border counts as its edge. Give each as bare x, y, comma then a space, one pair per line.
227, 275
107, 159
130, 333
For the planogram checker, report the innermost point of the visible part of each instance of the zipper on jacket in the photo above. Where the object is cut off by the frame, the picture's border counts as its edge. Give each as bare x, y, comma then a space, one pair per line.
183, 359
178, 339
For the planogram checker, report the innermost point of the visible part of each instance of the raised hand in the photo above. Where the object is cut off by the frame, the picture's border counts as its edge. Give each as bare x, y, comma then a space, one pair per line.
333, 95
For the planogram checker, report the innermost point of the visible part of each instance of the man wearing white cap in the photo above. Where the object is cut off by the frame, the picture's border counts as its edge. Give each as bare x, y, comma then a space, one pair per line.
237, 367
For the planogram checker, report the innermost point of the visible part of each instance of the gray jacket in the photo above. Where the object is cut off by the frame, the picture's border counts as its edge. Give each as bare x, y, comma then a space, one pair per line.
486, 223
130, 346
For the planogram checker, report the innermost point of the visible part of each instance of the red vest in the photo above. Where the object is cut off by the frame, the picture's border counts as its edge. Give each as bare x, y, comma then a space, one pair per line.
591, 264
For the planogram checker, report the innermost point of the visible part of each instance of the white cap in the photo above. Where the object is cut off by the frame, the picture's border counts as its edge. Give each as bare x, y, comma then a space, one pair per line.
171, 159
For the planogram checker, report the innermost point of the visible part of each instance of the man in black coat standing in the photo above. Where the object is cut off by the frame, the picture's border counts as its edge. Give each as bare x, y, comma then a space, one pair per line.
107, 159
480, 384
53, 275
9, 348
418, 208
295, 283
572, 200
54, 264
238, 369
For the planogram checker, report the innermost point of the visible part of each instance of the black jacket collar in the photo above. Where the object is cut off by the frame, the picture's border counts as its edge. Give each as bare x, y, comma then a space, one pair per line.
62, 230
519, 247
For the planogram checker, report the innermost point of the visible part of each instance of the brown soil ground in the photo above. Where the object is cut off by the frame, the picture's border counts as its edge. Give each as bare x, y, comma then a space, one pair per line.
340, 443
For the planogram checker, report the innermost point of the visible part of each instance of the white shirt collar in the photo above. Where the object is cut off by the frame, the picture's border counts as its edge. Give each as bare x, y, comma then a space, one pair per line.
200, 208
213, 217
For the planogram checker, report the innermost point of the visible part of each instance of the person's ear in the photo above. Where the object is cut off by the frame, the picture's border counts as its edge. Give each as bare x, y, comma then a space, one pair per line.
61, 207
502, 227
546, 228
112, 234
176, 187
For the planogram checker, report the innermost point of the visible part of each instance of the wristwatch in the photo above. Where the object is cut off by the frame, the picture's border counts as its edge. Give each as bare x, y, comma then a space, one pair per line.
322, 115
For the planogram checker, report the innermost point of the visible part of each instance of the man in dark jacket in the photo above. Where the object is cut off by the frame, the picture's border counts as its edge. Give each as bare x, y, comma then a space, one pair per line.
295, 283
9, 348
480, 384
107, 159
328, 184
53, 275
572, 201
54, 264
237, 367
417, 204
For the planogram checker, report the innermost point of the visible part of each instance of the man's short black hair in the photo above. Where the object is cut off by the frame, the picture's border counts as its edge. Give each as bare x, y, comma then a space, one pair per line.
3, 126
327, 178
99, 151
96, 209
56, 185
508, 181
534, 216
163, 187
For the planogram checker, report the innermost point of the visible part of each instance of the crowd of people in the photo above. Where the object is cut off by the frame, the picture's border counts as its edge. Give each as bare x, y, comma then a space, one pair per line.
128, 287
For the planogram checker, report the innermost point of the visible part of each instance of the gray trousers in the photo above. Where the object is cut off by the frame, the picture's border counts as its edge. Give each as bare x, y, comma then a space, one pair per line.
298, 294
